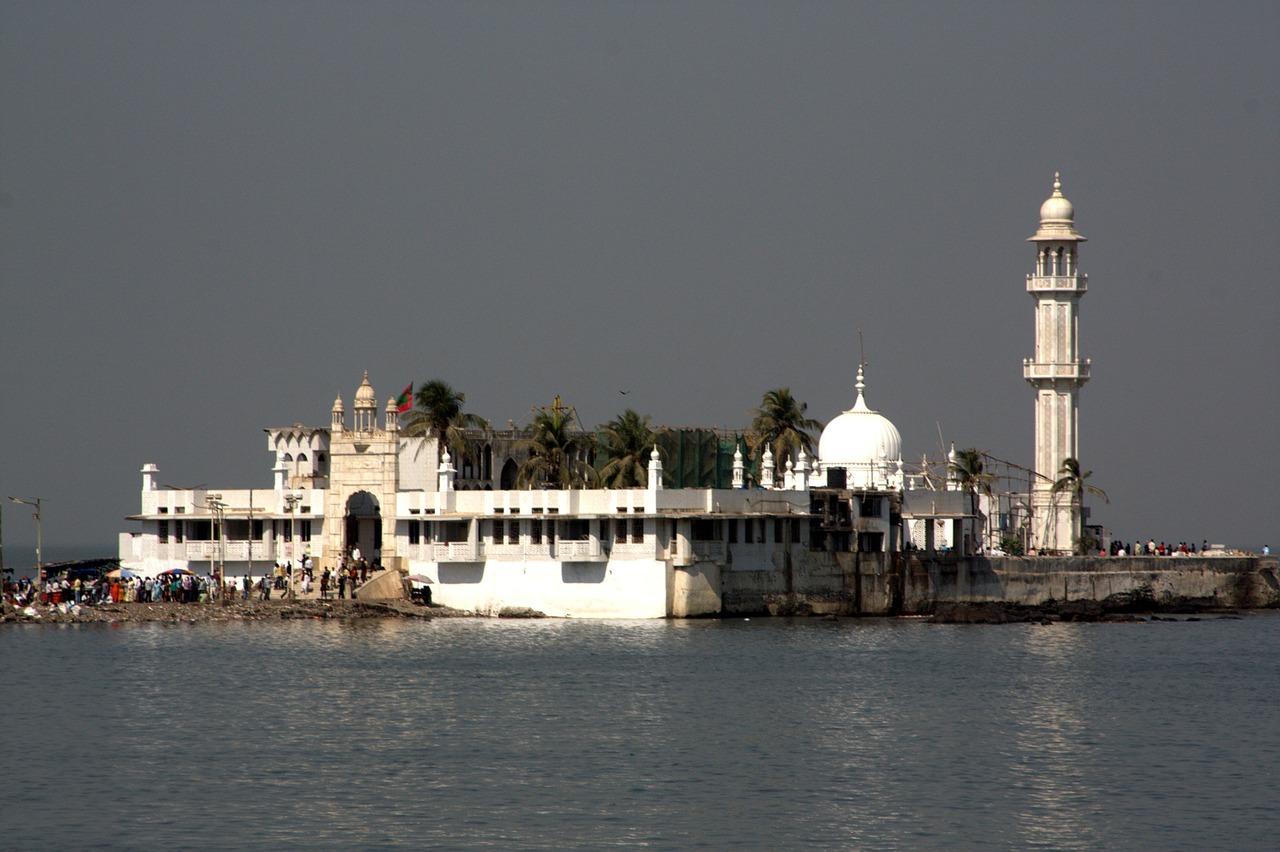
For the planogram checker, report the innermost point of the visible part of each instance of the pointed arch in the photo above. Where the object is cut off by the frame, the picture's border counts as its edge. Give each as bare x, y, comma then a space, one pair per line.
510, 472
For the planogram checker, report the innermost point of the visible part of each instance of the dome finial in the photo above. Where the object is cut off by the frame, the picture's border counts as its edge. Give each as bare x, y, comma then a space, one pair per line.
1057, 214
860, 404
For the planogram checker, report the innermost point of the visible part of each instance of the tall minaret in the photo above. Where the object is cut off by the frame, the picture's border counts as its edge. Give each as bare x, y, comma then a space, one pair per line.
1056, 371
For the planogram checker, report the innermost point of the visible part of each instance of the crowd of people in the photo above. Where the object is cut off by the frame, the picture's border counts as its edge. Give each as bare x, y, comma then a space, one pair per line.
169, 587
352, 571
1152, 548
184, 586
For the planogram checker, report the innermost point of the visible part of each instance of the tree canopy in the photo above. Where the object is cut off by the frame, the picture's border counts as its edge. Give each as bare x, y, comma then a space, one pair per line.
780, 423
1072, 480
437, 413
558, 452
625, 443
970, 471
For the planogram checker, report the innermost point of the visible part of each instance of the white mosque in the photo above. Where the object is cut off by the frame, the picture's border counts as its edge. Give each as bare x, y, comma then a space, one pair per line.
362, 485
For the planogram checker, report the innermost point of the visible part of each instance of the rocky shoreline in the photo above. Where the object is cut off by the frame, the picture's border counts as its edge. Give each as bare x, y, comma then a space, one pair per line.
176, 613
1115, 609
1123, 609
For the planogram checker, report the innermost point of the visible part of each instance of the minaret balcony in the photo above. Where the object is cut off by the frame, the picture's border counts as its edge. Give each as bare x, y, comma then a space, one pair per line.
1036, 371
1057, 283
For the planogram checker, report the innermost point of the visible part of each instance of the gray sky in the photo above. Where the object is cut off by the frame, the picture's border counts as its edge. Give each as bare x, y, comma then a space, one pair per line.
215, 216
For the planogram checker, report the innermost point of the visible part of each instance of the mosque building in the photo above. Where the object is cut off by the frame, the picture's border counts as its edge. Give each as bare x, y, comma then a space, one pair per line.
363, 488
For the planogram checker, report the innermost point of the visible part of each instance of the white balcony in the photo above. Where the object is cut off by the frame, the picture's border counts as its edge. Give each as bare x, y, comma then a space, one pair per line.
580, 551
1034, 371
457, 551
638, 550
229, 551
1057, 283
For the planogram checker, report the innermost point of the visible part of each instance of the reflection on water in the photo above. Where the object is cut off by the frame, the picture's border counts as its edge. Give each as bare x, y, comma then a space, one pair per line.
761, 733
1056, 756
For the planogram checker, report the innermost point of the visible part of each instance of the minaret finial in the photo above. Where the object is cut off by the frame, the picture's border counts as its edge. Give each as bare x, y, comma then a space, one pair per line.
1057, 183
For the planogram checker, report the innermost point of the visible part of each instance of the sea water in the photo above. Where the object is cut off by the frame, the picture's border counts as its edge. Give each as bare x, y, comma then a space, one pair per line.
760, 733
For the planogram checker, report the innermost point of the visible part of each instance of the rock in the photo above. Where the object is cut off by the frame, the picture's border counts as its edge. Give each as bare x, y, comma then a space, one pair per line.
973, 613
520, 612
1141, 599
1078, 610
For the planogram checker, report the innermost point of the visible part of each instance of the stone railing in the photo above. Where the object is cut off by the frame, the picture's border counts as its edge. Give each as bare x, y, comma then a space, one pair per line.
639, 550
1057, 283
1078, 371
580, 551
457, 551
231, 551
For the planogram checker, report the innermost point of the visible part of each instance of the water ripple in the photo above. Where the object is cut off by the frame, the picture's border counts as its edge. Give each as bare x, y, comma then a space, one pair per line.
874, 734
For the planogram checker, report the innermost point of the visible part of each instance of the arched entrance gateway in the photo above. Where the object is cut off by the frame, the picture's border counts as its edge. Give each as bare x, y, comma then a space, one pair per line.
362, 526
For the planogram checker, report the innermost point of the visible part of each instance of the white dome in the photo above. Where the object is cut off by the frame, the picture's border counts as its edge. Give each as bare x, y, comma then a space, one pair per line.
1056, 207
1057, 218
861, 441
365, 397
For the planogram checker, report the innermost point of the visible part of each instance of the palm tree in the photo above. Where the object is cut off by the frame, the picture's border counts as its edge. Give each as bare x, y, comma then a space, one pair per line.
970, 474
626, 441
557, 451
439, 415
780, 423
1072, 481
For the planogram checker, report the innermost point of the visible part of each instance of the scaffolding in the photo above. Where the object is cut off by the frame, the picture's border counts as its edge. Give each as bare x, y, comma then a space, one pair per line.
699, 457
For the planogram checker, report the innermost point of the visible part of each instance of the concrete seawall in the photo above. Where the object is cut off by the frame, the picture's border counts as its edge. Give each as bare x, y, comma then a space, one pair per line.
910, 584
1224, 581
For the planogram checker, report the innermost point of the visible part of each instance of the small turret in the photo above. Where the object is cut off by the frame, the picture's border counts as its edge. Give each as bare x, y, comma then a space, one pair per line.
444, 481
655, 470
339, 421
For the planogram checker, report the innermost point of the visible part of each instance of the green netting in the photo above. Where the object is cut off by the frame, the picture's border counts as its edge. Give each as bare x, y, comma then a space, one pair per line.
694, 458
698, 458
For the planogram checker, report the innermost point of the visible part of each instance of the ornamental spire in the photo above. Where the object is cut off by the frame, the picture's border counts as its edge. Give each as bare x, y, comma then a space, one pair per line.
860, 404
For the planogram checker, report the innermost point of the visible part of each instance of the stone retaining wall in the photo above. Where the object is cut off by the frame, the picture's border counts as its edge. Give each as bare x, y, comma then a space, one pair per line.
905, 584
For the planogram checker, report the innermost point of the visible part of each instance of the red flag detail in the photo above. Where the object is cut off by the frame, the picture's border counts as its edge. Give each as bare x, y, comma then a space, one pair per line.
405, 400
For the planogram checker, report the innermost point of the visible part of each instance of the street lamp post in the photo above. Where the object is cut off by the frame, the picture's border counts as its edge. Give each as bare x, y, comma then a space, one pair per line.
216, 506
39, 552
292, 501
